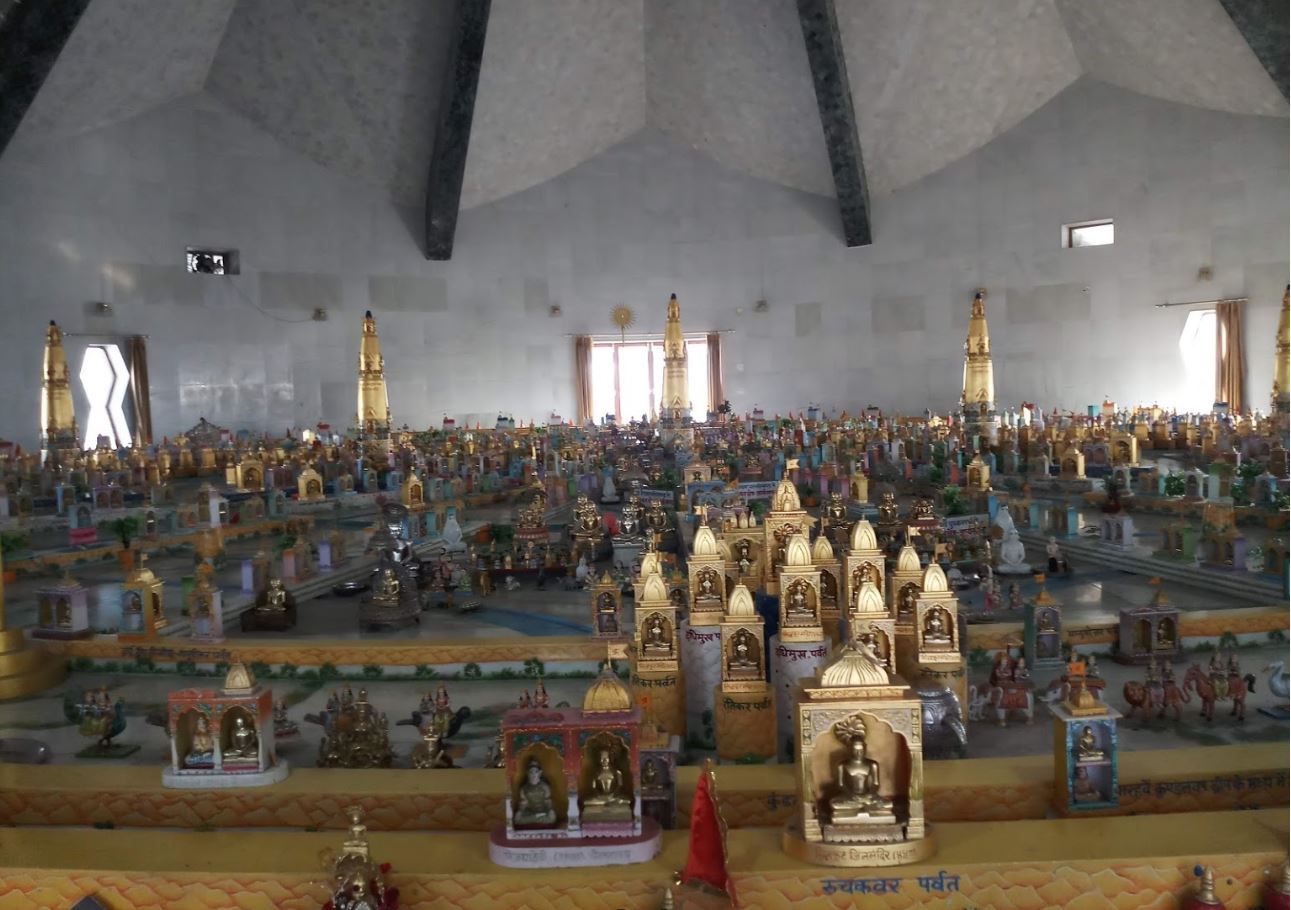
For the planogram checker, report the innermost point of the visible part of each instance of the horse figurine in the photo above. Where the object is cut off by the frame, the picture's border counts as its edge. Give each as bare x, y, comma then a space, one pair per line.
1207, 691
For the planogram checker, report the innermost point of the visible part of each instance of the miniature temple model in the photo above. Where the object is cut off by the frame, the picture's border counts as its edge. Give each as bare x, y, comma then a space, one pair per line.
59, 434
675, 401
860, 766
372, 418
1281, 404
978, 401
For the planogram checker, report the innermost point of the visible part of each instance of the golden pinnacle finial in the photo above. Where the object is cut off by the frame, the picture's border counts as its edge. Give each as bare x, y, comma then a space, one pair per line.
1206, 891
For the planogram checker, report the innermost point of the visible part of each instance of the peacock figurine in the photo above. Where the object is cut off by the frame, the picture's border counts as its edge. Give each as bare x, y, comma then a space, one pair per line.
96, 715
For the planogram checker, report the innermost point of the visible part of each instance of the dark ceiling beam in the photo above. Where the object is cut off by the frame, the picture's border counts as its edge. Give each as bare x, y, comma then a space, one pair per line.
32, 35
834, 99
1263, 23
453, 134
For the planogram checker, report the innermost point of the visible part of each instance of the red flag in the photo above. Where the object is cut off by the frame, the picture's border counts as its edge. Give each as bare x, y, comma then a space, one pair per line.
706, 858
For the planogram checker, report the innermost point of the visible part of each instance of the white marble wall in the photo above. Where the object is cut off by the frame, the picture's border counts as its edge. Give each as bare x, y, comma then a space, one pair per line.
106, 216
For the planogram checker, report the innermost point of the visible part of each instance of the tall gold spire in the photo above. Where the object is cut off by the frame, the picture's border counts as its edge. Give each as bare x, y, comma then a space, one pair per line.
1281, 369
57, 416
978, 401
674, 405
373, 417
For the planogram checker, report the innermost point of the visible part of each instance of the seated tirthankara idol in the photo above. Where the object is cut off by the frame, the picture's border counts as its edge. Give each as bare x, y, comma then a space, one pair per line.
534, 808
609, 796
858, 801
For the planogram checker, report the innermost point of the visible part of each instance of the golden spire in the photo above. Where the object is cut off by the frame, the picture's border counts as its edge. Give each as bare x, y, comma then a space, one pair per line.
373, 416
978, 402
1281, 368
675, 402
57, 416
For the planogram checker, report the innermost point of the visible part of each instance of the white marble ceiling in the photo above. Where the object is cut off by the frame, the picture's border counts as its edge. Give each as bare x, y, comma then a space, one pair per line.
355, 84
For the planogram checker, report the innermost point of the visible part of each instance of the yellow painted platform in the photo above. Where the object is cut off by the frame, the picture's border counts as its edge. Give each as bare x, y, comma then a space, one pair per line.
1085, 864
1179, 780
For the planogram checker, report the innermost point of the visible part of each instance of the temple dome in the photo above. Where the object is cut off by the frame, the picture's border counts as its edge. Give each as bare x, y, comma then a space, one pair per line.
705, 542
854, 666
797, 553
786, 497
654, 590
607, 694
863, 536
649, 563
907, 559
741, 603
821, 551
869, 599
934, 579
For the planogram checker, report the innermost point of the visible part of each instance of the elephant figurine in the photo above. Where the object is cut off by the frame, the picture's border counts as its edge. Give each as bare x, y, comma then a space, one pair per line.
944, 733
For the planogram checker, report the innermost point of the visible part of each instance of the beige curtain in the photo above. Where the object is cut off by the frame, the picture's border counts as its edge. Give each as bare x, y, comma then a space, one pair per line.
1230, 356
583, 377
716, 394
140, 397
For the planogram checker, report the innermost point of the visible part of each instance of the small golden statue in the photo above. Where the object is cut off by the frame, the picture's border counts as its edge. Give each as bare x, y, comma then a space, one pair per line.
606, 801
858, 801
535, 806
243, 743
356, 882
1087, 746
388, 585
650, 777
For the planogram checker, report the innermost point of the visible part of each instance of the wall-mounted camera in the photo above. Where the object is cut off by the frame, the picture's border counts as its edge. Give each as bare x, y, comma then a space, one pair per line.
212, 262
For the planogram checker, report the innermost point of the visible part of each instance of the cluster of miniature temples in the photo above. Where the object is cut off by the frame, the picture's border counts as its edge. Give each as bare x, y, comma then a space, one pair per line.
821, 594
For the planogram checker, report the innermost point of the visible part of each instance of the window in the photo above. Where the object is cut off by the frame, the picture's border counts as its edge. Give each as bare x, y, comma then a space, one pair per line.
627, 377
1088, 233
1197, 349
104, 379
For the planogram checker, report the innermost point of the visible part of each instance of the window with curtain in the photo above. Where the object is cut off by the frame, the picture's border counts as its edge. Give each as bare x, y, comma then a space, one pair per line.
1197, 349
627, 377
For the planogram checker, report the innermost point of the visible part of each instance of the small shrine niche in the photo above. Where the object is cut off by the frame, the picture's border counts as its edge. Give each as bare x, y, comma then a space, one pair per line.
860, 766
1149, 633
206, 615
905, 585
574, 782
1042, 630
800, 618
143, 613
62, 610
656, 633
309, 486
223, 738
1085, 749
607, 608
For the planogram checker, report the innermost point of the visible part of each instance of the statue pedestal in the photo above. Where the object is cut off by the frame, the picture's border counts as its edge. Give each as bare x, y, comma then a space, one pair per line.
660, 696
701, 664
566, 853
627, 552
746, 726
791, 662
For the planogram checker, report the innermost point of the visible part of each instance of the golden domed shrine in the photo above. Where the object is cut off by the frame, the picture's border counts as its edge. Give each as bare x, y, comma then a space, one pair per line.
574, 783
859, 758
223, 737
